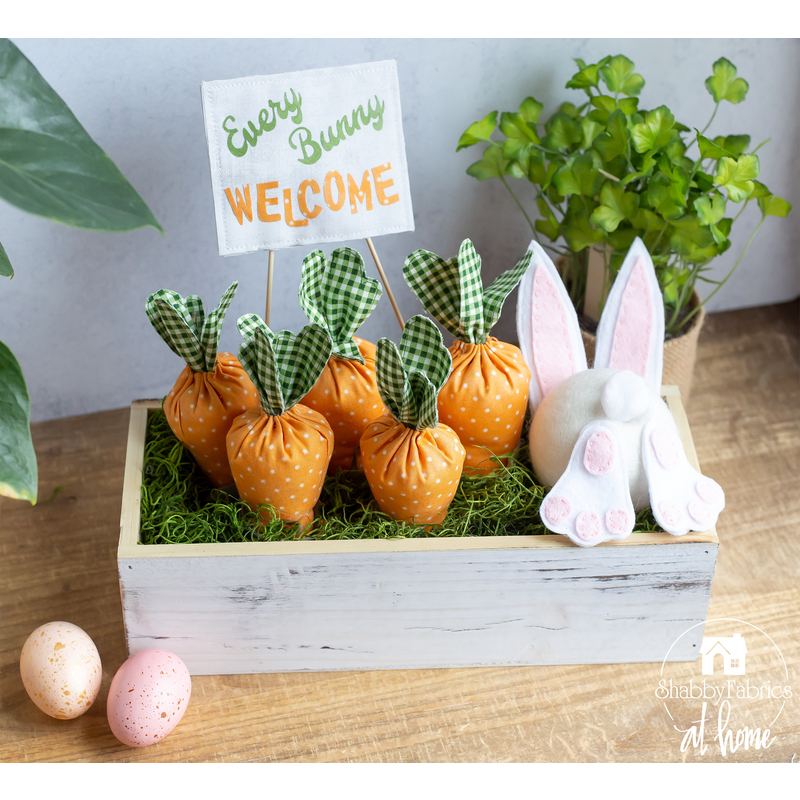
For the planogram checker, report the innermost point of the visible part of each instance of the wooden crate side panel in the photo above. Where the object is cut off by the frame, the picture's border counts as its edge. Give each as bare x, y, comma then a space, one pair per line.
418, 610
130, 513
672, 396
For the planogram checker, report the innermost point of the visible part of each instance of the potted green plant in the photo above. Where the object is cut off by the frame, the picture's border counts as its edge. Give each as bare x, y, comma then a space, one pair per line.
51, 167
607, 171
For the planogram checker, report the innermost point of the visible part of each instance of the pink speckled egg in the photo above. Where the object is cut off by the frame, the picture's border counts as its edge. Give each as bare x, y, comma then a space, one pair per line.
148, 697
61, 669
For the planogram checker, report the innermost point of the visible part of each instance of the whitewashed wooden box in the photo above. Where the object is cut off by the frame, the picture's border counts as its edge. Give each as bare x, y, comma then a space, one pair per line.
407, 604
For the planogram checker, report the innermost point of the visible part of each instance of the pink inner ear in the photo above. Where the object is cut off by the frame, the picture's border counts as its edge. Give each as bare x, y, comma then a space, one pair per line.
553, 359
630, 347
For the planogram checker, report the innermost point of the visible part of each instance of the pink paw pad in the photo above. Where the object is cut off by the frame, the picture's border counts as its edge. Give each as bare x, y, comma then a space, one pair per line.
664, 447
587, 526
598, 457
671, 513
699, 513
708, 491
617, 520
557, 509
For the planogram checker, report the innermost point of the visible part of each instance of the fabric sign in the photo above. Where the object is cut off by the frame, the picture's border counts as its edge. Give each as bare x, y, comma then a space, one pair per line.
307, 157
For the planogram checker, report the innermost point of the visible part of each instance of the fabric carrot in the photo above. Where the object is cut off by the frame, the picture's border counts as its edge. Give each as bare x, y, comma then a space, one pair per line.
338, 296
279, 450
212, 389
413, 462
485, 398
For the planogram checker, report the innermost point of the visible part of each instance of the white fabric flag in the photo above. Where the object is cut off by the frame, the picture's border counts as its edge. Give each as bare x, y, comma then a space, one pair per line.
307, 157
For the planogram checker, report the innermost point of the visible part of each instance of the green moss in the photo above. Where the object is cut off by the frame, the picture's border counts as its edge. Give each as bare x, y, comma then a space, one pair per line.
179, 506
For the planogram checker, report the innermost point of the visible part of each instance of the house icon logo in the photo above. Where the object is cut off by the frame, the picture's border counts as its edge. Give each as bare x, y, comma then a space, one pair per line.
732, 649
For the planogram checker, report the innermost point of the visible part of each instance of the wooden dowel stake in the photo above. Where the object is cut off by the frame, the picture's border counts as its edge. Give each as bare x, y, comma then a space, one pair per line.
385, 283
270, 265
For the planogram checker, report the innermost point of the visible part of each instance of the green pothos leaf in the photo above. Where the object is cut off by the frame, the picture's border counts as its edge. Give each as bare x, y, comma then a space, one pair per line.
18, 471
6, 270
49, 165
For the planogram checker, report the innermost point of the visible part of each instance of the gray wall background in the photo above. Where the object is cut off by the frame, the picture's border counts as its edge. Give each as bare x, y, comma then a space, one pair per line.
74, 313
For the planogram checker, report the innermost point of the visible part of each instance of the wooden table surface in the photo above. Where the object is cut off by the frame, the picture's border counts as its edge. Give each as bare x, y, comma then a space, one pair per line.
58, 562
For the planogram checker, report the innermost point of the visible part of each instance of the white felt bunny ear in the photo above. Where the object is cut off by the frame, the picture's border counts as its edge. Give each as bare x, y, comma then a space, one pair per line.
630, 334
547, 326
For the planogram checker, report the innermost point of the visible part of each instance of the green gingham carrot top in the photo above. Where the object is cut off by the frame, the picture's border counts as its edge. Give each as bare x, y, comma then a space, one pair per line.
183, 325
452, 291
410, 376
338, 296
283, 366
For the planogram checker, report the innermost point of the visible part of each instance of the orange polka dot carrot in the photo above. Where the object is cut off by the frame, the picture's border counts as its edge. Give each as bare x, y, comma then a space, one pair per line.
338, 296
485, 398
213, 389
412, 461
279, 450
347, 396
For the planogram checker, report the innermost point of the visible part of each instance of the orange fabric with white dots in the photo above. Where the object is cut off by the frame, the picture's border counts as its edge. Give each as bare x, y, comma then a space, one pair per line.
346, 394
201, 407
484, 400
281, 460
413, 474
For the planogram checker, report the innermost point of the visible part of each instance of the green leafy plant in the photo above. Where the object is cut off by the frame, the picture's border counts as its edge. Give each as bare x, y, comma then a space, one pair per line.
49, 166
607, 171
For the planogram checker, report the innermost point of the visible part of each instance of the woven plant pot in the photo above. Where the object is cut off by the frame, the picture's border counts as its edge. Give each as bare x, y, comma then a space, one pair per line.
680, 352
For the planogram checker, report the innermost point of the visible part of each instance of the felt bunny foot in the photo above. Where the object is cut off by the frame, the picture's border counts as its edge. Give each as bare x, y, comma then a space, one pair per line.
591, 502
681, 498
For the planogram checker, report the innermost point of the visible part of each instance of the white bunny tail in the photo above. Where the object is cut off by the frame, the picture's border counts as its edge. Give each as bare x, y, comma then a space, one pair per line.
547, 326
630, 334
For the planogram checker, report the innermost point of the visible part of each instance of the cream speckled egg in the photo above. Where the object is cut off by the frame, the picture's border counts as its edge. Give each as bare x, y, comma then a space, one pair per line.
148, 697
61, 669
